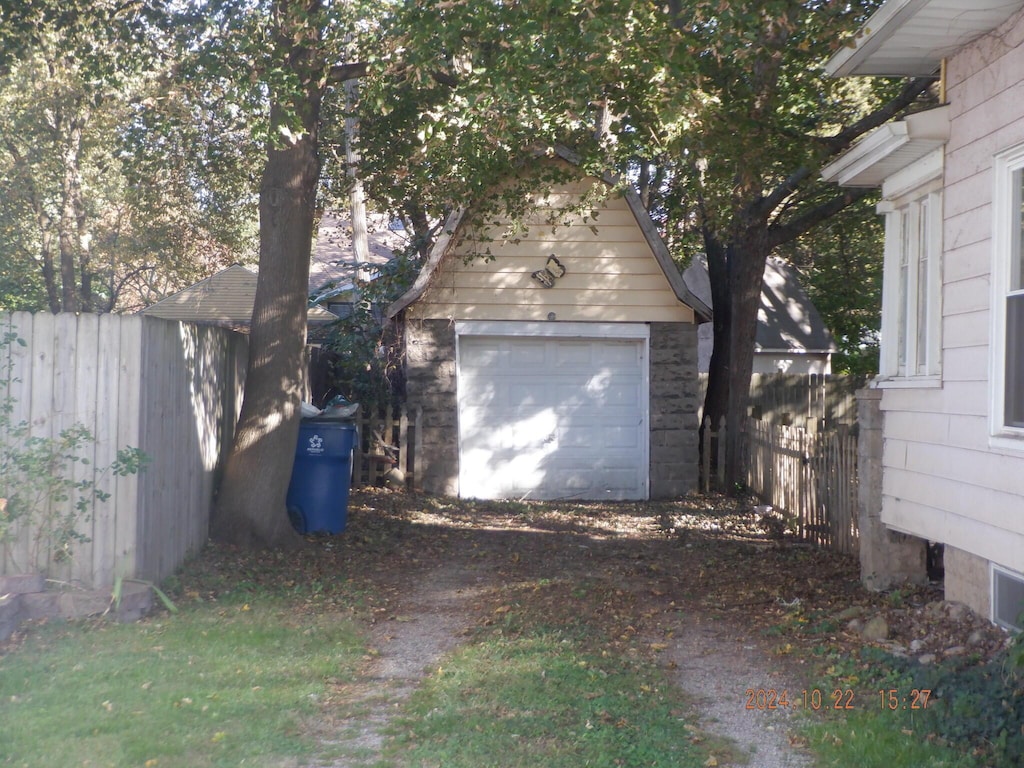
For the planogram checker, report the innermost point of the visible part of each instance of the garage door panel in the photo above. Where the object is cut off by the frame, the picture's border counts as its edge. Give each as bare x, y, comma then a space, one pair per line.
552, 418
573, 354
527, 354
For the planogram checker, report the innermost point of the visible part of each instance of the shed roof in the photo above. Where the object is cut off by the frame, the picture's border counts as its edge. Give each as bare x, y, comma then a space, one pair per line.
225, 298
787, 319
334, 264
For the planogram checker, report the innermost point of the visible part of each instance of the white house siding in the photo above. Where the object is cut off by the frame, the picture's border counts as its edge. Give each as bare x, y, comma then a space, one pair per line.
942, 480
610, 272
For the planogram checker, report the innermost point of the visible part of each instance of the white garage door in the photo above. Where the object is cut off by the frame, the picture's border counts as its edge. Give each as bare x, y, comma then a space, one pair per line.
552, 418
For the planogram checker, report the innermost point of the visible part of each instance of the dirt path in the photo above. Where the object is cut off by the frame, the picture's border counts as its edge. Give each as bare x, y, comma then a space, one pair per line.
462, 562
719, 666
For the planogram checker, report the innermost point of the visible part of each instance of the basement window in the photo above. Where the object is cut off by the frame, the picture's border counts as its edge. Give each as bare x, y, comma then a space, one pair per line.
1007, 598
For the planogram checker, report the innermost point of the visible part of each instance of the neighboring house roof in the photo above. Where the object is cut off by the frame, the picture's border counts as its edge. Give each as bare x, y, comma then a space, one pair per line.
444, 243
225, 298
911, 37
334, 263
787, 320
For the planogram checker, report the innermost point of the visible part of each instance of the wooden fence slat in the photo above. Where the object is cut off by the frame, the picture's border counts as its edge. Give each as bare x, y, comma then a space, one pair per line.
22, 366
85, 412
810, 476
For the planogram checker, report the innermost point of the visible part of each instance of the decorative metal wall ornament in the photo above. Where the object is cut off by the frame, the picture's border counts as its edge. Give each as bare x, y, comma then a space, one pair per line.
551, 272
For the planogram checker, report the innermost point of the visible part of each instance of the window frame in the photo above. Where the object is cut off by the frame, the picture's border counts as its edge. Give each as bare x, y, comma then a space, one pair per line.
1007, 221
912, 205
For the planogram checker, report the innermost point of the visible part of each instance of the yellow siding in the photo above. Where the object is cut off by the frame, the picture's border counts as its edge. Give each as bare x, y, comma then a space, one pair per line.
611, 273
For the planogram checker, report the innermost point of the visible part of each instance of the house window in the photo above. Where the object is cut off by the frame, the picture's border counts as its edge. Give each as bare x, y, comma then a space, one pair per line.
1008, 295
911, 345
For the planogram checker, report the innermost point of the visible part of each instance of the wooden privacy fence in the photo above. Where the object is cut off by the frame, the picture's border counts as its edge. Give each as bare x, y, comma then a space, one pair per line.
171, 389
810, 401
809, 476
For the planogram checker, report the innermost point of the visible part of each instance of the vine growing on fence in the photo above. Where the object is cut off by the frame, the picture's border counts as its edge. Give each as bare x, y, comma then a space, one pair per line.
42, 497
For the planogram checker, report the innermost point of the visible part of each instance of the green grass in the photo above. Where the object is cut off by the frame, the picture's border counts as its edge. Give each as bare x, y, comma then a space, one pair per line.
213, 685
883, 739
541, 698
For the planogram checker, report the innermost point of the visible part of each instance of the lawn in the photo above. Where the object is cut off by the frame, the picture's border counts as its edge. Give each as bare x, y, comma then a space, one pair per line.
559, 666
212, 685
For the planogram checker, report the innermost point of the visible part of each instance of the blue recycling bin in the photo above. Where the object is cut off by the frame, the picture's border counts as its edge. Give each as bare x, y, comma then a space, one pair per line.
322, 476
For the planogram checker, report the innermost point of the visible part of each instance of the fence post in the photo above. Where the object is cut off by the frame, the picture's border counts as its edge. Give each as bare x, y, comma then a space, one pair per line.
705, 456
722, 437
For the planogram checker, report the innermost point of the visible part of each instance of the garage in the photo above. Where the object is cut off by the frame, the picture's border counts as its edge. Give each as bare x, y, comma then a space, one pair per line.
553, 356
557, 416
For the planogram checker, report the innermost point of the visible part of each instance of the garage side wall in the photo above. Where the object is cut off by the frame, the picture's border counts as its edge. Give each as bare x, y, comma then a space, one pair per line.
431, 397
674, 396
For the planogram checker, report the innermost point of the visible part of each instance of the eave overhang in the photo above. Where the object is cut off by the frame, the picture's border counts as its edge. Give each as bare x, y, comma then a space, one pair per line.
889, 149
910, 38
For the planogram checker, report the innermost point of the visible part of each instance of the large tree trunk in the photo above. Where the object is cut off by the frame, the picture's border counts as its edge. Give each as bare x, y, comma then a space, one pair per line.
251, 508
736, 270
251, 504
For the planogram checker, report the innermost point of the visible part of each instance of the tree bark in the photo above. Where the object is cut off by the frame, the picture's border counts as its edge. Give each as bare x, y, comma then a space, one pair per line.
251, 509
71, 185
737, 273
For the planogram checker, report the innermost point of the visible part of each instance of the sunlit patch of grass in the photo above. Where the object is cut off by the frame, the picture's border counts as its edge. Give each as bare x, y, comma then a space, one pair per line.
212, 685
541, 696
883, 739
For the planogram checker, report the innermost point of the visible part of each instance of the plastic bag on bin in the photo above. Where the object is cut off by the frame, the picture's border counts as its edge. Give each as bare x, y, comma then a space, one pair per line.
339, 408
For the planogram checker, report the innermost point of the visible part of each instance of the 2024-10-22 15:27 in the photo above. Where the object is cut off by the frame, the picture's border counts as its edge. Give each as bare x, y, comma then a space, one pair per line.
886, 699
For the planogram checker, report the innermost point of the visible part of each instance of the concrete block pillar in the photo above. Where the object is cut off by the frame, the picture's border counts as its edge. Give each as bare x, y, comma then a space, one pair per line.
887, 558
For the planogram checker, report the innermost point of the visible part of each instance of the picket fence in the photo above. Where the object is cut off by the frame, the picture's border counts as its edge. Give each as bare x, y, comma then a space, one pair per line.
810, 477
171, 389
386, 442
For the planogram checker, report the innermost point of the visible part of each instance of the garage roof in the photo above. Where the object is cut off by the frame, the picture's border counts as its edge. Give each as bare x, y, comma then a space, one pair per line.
444, 244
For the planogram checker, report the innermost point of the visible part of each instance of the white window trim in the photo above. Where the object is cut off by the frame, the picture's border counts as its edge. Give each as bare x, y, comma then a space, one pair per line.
1004, 165
921, 181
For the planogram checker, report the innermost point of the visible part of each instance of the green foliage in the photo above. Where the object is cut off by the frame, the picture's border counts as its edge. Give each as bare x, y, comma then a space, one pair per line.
462, 95
47, 485
971, 707
841, 262
367, 367
101, 211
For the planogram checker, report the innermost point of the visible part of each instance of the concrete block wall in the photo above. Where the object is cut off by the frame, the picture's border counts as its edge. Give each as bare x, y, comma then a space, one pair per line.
967, 580
432, 403
431, 397
887, 558
674, 402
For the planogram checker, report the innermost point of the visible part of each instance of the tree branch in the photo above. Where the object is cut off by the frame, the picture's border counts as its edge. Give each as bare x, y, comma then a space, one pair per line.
777, 235
907, 95
341, 73
840, 142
